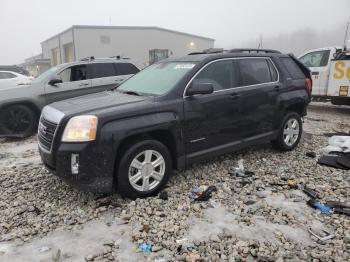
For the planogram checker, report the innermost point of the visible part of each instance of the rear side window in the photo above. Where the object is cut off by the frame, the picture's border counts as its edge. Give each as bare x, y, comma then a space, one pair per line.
292, 68
218, 73
126, 69
316, 59
99, 70
254, 71
273, 71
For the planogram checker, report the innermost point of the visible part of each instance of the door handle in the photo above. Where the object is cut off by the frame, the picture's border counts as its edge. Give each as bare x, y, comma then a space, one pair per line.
83, 84
277, 88
235, 96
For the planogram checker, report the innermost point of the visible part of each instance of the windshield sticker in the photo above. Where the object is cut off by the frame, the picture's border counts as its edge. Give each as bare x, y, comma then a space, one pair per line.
184, 66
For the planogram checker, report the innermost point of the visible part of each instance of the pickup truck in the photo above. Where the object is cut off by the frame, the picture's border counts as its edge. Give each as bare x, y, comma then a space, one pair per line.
330, 71
173, 113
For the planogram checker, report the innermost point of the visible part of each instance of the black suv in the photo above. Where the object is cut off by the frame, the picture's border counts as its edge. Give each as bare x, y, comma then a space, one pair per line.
171, 114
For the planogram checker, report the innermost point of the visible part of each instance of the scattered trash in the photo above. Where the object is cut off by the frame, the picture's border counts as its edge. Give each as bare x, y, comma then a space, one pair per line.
311, 154
336, 133
44, 249
182, 240
145, 248
239, 171
344, 160
311, 193
250, 202
337, 204
325, 234
333, 161
323, 208
205, 195
338, 144
164, 195
345, 211
291, 183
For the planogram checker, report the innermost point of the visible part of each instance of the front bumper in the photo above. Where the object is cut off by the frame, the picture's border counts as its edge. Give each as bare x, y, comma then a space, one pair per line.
96, 166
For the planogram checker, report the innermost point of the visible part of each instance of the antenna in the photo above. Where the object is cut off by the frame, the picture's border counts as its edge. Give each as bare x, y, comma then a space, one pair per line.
346, 35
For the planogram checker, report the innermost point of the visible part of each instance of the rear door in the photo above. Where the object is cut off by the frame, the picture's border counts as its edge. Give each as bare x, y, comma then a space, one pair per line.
258, 91
104, 76
318, 62
75, 82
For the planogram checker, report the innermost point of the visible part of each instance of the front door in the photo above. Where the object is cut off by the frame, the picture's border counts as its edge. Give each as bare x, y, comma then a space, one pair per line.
75, 82
211, 120
318, 63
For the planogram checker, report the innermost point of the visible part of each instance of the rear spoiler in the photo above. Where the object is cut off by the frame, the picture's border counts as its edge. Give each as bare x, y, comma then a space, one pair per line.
302, 67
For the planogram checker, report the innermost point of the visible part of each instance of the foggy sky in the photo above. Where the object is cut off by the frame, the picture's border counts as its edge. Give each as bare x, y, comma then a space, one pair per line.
26, 23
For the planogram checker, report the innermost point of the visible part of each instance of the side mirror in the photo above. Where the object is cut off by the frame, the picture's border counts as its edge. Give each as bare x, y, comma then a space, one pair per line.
55, 81
200, 89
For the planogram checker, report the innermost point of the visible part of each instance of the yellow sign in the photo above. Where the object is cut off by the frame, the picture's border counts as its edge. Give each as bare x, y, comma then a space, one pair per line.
343, 90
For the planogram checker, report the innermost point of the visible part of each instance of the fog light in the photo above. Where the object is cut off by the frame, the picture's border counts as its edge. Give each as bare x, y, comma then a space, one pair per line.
75, 164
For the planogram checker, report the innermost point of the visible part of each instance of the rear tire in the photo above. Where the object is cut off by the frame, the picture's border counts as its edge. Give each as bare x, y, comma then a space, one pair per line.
289, 133
18, 120
144, 169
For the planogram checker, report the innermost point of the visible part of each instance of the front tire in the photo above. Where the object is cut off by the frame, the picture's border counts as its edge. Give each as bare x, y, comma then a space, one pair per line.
144, 169
290, 132
18, 120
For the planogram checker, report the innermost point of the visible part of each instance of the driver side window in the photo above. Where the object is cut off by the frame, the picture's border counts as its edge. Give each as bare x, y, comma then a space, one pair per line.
316, 59
73, 73
218, 73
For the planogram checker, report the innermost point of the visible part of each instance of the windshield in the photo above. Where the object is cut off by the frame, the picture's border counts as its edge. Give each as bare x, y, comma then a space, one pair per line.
44, 77
157, 79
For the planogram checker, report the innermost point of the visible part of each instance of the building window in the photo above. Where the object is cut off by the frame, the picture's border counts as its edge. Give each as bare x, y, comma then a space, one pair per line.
105, 39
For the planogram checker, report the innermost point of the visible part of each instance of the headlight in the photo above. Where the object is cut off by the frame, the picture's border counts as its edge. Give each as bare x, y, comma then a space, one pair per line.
80, 129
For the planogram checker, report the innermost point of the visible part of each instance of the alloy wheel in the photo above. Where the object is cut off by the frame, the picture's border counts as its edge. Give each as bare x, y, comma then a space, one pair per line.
291, 132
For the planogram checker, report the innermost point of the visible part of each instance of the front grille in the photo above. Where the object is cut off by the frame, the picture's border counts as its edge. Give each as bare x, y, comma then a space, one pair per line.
46, 132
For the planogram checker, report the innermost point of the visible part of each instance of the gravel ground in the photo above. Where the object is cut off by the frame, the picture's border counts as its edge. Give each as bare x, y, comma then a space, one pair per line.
43, 219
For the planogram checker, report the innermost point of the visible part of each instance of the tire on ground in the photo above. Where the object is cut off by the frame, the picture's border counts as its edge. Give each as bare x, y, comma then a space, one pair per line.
127, 156
279, 143
24, 123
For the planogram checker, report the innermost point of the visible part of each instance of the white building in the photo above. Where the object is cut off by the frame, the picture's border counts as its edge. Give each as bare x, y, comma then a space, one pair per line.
143, 45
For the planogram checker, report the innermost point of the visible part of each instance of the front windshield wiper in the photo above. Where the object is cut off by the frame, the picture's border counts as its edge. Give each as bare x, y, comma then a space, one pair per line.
134, 93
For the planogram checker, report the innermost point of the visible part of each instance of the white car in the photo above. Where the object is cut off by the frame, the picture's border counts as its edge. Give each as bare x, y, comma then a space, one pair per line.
10, 79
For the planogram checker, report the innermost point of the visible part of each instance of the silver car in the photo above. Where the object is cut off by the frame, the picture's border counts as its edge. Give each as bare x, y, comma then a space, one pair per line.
20, 106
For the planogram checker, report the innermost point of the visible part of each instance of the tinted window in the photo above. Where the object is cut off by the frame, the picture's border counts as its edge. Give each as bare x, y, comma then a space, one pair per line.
292, 68
126, 69
218, 73
254, 71
102, 70
273, 71
73, 73
316, 59
7, 75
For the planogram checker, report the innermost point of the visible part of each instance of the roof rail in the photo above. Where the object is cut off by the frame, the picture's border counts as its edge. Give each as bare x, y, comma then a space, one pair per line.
208, 51
89, 58
256, 50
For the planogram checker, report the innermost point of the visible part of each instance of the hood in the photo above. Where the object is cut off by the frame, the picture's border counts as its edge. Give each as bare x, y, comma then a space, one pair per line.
21, 92
96, 102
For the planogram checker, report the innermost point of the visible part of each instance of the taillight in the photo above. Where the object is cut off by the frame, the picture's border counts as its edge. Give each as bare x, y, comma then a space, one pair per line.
309, 84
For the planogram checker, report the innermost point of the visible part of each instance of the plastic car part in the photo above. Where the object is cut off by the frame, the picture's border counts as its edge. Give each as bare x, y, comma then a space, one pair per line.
327, 235
206, 195
323, 208
311, 193
331, 161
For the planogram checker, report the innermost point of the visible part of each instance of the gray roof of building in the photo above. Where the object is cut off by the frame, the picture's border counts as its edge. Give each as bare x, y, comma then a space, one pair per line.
127, 28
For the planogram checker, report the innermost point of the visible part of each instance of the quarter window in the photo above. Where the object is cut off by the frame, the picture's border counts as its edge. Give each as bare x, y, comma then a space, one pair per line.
254, 71
103, 70
126, 69
218, 73
292, 68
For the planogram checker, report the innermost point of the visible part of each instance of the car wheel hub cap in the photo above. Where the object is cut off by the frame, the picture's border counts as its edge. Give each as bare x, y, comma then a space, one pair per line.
291, 132
146, 170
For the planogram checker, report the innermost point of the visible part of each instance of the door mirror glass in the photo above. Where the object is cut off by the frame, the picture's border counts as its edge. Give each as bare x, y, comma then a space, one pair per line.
200, 89
55, 81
